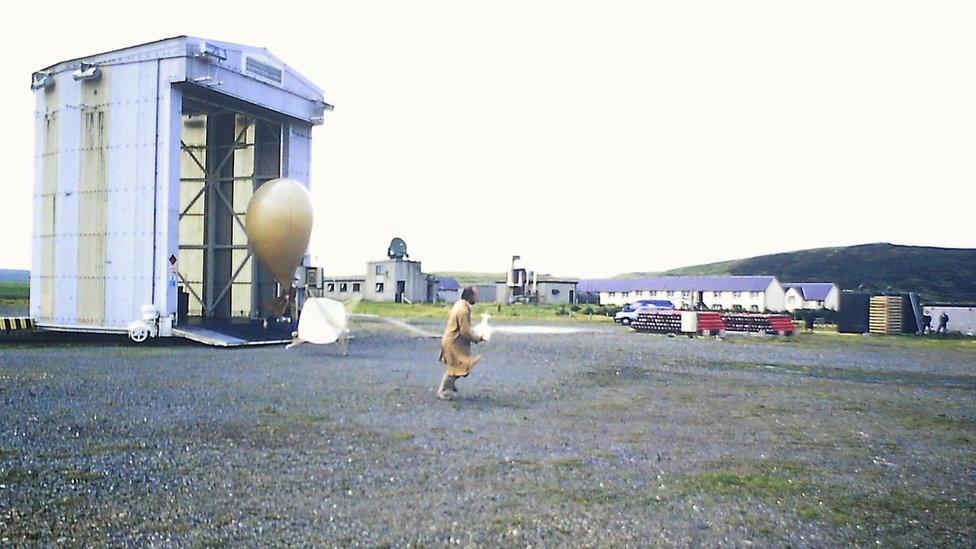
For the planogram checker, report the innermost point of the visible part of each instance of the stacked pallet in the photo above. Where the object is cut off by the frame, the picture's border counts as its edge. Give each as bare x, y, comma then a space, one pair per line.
884, 315
658, 322
759, 323
710, 323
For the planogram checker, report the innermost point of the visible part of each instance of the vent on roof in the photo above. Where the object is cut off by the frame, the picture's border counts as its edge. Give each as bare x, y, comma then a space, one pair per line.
262, 70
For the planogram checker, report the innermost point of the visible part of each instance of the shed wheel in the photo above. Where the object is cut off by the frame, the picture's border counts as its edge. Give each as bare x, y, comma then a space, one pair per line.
139, 334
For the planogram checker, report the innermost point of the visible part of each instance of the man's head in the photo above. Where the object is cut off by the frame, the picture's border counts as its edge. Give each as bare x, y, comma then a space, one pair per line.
470, 294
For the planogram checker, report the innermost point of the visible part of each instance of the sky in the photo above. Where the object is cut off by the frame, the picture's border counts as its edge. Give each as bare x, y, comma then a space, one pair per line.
590, 138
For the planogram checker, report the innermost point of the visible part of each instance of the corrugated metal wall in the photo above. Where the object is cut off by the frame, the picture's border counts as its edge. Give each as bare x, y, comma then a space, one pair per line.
107, 188
93, 201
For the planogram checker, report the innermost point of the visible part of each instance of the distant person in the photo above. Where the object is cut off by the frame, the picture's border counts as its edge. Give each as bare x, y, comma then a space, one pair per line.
279, 309
943, 328
456, 344
926, 324
808, 321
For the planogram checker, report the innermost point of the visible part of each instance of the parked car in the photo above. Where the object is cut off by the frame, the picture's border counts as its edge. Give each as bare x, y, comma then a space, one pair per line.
630, 311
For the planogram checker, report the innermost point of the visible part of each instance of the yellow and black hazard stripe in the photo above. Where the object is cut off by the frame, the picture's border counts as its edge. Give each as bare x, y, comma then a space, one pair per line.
16, 323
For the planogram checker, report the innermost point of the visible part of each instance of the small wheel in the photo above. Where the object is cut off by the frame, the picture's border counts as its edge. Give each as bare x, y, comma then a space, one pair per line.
139, 334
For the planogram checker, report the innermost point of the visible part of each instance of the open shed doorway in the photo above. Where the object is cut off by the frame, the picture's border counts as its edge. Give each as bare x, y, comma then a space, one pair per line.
226, 156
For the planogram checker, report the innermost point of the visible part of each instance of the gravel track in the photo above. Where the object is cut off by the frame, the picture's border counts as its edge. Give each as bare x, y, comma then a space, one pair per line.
605, 437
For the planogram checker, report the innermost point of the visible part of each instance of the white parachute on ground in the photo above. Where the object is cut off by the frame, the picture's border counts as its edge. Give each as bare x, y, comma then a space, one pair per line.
324, 321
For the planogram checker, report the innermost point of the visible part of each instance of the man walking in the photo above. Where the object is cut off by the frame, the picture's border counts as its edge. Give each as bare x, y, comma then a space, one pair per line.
943, 328
456, 344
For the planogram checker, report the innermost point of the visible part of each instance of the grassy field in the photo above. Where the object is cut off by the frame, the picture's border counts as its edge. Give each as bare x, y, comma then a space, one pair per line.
13, 296
12, 291
553, 313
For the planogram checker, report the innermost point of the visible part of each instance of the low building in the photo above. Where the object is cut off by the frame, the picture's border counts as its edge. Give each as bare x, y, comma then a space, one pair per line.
545, 290
962, 316
733, 293
811, 295
342, 288
447, 289
556, 291
397, 280
492, 292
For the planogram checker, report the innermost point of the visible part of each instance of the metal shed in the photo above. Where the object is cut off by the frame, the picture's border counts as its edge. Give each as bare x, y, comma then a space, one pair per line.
146, 158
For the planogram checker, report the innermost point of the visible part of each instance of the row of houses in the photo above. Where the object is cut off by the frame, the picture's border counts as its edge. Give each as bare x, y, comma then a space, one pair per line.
746, 293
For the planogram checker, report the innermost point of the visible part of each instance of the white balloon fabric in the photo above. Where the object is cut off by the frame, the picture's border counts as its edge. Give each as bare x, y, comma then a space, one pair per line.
483, 329
323, 321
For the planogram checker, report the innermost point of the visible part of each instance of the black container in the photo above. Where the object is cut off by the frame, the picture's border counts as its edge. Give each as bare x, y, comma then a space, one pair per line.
853, 312
182, 306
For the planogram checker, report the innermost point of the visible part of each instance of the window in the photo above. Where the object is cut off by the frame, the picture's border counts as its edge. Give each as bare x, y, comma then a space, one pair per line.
356, 287
612, 294
330, 287
670, 293
625, 294
737, 307
716, 307
716, 294
343, 287
736, 294
686, 295
380, 270
654, 293
379, 287
754, 308
755, 294
554, 291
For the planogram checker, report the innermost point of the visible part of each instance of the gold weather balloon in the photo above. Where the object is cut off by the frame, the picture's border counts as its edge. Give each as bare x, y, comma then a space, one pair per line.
279, 223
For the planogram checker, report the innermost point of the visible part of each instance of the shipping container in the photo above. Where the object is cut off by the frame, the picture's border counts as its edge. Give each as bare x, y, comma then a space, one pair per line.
853, 313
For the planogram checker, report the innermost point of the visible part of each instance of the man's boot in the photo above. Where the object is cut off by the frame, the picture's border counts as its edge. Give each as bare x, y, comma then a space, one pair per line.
446, 389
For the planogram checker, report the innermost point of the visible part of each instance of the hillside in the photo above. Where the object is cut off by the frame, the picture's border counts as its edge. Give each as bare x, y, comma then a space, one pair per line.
937, 274
467, 277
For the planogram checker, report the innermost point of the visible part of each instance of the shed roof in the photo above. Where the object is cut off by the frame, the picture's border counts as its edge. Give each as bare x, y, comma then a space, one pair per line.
679, 283
811, 291
222, 67
448, 283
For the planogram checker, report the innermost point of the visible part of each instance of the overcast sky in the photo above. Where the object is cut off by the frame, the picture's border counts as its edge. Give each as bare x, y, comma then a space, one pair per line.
590, 138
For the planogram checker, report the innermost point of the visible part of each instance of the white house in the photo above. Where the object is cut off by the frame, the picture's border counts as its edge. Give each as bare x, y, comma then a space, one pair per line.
811, 295
744, 293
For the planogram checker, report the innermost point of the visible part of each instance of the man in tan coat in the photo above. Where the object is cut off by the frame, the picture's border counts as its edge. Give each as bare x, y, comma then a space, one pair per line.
456, 344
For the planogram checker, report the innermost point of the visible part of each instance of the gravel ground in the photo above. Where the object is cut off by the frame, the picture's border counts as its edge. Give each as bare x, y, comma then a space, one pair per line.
607, 437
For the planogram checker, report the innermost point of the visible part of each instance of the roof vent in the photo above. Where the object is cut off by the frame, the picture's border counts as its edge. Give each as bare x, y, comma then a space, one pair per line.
262, 70
87, 71
211, 51
41, 79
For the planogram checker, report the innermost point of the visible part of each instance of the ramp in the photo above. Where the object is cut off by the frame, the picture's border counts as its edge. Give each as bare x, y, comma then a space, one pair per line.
233, 334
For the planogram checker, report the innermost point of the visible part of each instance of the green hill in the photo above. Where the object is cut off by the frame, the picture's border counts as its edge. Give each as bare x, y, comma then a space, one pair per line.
937, 274
465, 278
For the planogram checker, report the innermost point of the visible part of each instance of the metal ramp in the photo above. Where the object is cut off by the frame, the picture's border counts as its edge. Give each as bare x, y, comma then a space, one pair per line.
233, 334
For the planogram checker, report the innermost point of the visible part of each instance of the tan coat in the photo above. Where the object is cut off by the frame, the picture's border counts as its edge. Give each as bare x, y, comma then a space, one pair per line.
457, 339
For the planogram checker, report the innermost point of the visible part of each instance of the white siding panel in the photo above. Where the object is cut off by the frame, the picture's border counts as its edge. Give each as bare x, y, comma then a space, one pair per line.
167, 199
40, 139
132, 137
67, 200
